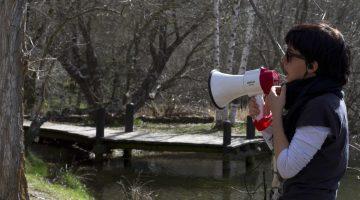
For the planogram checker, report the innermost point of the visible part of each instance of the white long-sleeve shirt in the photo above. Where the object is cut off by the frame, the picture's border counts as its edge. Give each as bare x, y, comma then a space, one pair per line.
306, 142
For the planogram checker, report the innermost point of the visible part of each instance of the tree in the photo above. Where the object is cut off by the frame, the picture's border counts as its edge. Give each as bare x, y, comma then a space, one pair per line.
244, 57
231, 49
12, 178
219, 113
160, 55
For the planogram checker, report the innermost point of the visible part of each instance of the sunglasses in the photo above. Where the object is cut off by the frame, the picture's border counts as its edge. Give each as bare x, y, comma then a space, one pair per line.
289, 55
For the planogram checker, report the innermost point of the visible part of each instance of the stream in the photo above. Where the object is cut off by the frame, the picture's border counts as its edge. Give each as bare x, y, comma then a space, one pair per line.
170, 176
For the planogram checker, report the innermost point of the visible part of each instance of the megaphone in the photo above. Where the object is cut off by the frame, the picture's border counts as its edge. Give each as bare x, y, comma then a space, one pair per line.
224, 88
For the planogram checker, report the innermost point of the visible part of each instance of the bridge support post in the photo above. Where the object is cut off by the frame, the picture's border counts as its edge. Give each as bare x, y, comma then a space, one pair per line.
129, 118
100, 123
227, 133
99, 149
129, 127
250, 128
226, 154
250, 134
127, 158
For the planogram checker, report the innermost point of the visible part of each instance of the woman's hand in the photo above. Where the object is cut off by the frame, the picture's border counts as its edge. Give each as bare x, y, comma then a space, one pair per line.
276, 100
254, 108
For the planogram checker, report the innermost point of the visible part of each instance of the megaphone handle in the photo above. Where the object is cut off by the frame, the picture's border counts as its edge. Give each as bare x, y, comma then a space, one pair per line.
260, 102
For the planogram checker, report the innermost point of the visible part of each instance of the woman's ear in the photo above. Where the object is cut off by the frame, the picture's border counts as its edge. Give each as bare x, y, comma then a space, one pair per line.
312, 67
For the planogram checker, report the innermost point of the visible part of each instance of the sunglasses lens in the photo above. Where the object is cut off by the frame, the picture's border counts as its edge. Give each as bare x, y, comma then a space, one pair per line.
289, 55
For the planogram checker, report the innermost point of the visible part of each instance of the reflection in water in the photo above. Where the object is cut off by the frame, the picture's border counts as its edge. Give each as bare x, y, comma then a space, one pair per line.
188, 175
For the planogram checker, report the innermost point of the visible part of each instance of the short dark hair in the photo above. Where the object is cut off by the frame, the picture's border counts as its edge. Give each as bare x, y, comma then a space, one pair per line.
324, 44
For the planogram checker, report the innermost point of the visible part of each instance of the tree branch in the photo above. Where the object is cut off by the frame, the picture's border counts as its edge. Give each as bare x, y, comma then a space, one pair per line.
278, 50
180, 74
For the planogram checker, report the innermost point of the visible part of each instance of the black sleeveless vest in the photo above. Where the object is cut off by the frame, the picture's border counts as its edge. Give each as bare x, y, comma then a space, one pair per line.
320, 104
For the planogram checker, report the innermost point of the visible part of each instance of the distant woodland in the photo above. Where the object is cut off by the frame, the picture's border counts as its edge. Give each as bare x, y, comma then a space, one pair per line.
84, 55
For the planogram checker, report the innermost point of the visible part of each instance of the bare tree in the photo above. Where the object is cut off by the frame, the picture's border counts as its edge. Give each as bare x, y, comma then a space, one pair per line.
12, 178
244, 56
219, 113
302, 10
128, 40
276, 45
231, 49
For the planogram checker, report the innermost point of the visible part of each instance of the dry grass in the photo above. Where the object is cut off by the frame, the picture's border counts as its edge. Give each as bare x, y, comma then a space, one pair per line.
135, 190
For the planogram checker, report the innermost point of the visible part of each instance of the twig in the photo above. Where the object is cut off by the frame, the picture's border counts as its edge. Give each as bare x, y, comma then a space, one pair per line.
354, 168
358, 149
276, 44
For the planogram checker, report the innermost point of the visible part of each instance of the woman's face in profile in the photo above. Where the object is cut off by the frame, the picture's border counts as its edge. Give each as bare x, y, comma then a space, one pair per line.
293, 65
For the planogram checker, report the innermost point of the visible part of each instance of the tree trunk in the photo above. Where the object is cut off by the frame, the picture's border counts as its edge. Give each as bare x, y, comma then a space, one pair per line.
94, 70
232, 40
280, 20
304, 11
160, 56
217, 35
244, 58
231, 49
37, 115
40, 77
341, 13
71, 60
296, 17
219, 113
12, 178
131, 62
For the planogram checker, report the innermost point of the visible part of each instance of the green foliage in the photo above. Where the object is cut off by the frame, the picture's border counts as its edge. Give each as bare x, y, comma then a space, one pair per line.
35, 166
54, 191
64, 176
71, 181
138, 122
61, 183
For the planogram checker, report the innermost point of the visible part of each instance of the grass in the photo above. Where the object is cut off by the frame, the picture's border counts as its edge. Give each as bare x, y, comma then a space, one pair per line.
208, 128
238, 129
45, 182
66, 186
135, 190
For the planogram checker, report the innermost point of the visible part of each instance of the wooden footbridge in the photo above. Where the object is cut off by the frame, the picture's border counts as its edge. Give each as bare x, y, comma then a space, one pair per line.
156, 141
101, 140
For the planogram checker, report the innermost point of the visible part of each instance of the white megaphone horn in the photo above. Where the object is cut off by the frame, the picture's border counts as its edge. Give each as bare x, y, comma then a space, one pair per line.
224, 88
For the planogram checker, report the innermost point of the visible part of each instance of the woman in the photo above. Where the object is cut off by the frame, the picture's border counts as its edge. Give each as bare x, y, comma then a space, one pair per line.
309, 123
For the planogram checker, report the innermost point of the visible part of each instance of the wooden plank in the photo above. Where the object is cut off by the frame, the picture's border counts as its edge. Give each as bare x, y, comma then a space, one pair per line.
236, 142
156, 146
117, 138
166, 137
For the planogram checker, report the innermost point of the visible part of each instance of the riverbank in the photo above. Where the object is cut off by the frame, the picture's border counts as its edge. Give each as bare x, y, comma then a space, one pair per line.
162, 175
47, 182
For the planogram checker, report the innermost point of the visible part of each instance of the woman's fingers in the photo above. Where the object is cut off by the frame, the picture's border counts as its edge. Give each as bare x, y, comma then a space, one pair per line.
266, 106
276, 99
253, 108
